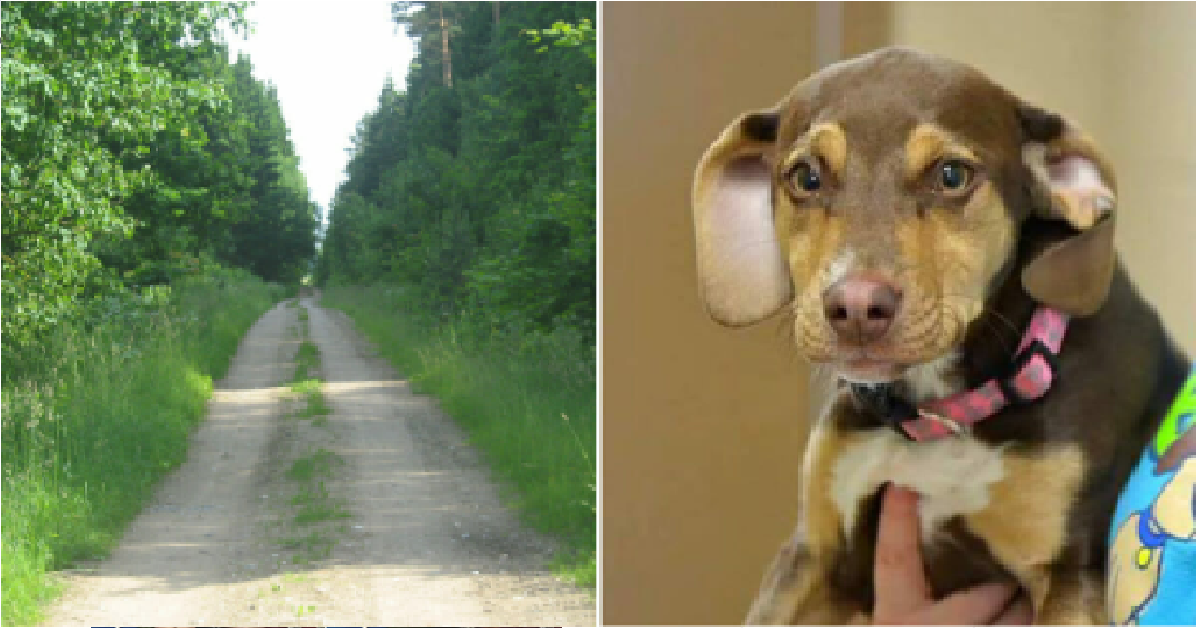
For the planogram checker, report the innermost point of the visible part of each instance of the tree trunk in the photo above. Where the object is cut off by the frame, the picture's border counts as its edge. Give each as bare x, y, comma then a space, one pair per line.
446, 78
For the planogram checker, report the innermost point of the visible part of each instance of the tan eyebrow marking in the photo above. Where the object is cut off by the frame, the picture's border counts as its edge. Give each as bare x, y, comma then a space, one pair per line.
827, 141
928, 143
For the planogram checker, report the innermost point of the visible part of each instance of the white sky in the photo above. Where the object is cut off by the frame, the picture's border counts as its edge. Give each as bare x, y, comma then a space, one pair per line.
328, 60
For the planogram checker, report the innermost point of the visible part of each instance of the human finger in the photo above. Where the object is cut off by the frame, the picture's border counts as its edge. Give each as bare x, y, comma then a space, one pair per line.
971, 607
900, 584
1019, 612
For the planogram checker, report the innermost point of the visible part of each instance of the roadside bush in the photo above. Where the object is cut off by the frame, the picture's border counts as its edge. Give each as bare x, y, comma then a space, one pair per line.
100, 412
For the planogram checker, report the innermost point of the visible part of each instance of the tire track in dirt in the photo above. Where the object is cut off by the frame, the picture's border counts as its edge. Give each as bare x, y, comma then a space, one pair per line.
428, 541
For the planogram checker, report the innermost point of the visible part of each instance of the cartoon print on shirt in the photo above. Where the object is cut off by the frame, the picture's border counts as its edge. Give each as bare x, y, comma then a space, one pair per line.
1136, 552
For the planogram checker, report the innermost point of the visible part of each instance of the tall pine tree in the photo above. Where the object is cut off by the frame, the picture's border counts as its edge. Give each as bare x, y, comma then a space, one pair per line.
476, 185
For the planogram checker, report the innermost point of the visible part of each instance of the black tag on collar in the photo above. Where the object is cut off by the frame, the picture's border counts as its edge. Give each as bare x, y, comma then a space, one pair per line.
881, 400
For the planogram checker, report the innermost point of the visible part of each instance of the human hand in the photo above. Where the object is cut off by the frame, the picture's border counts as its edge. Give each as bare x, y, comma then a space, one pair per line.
902, 592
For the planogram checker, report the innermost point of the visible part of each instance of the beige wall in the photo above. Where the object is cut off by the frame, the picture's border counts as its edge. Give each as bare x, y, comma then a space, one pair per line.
1126, 72
703, 425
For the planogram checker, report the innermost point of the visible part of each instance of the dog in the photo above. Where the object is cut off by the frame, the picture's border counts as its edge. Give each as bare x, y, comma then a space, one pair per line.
947, 250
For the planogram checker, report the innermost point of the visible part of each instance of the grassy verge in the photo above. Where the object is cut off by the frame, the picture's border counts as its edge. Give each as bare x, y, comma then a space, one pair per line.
526, 400
98, 415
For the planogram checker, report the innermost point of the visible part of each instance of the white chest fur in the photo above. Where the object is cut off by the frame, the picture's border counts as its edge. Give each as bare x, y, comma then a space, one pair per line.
952, 475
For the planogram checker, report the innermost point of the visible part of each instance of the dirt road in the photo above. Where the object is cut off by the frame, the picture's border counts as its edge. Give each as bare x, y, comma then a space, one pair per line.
377, 513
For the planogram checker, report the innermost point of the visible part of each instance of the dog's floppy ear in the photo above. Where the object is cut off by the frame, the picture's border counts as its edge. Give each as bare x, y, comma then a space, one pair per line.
743, 276
1074, 275
1073, 183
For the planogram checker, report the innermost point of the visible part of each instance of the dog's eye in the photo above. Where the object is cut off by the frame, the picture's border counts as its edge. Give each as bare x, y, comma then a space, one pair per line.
954, 175
806, 177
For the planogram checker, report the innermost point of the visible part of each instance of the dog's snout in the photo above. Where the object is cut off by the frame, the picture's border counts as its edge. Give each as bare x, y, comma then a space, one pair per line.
861, 309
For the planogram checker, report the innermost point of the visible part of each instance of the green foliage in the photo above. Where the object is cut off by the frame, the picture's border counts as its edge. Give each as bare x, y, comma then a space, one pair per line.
132, 148
527, 400
274, 235
480, 193
564, 34
101, 415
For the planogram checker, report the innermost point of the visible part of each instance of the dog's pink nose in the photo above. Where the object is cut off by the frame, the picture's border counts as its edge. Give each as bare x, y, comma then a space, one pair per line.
861, 309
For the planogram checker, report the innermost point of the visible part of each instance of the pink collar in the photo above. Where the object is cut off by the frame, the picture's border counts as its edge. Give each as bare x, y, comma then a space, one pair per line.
1034, 366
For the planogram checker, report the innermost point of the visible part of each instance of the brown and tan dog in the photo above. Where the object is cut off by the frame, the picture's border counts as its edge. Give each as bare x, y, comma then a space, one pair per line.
915, 216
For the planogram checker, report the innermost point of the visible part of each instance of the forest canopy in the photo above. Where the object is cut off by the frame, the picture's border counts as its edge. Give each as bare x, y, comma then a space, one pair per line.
134, 153
474, 185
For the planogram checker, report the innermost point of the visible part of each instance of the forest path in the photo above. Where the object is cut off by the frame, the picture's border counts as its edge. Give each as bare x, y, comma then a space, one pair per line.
408, 528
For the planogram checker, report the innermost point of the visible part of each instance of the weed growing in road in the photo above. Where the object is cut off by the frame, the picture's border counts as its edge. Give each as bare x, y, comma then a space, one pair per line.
513, 392
307, 361
316, 408
103, 410
318, 464
314, 545
317, 506
314, 507
303, 382
306, 387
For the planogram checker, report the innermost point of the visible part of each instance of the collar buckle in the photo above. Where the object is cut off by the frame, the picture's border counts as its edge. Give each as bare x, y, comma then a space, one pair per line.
1021, 361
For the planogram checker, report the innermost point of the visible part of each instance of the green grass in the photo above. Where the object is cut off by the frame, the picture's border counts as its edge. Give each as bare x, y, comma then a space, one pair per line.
316, 409
313, 505
307, 361
96, 416
317, 505
527, 400
312, 546
305, 387
318, 464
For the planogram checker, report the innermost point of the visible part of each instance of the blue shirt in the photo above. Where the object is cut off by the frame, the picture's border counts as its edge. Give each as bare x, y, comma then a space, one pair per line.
1152, 545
